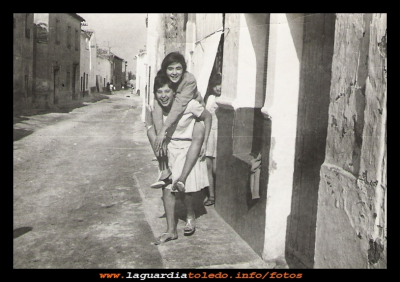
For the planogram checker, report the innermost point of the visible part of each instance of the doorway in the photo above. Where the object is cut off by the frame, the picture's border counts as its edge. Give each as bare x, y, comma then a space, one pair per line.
312, 123
74, 82
56, 85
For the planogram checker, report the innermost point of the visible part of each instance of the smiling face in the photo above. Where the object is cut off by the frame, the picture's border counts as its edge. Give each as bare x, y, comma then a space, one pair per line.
174, 72
165, 96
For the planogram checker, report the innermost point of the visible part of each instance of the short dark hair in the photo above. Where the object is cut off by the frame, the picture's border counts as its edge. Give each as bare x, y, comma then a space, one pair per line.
160, 80
216, 79
173, 57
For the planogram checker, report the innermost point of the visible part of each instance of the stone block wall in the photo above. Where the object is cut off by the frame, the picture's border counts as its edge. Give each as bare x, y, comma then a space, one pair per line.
351, 221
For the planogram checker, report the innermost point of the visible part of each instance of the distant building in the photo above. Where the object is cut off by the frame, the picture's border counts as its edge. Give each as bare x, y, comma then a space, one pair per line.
108, 69
22, 61
103, 70
87, 62
56, 58
118, 77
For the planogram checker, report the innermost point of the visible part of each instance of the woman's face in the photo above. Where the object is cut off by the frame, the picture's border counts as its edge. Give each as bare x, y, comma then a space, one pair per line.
165, 96
217, 90
174, 72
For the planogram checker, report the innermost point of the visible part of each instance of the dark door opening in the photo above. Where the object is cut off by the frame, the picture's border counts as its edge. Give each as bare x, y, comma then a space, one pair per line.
312, 123
56, 85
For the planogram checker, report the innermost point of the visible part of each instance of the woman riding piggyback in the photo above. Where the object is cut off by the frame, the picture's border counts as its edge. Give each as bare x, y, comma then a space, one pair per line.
174, 67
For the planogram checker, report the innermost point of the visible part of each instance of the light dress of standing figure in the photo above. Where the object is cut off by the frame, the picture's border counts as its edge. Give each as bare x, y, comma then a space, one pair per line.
211, 151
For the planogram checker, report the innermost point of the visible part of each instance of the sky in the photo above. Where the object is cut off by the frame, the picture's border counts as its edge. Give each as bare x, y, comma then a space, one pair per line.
125, 34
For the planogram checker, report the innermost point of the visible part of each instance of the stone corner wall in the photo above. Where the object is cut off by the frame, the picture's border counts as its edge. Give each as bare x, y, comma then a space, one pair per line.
351, 221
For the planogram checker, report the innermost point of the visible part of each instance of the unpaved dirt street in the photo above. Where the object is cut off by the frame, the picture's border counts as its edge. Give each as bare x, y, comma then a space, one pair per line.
75, 200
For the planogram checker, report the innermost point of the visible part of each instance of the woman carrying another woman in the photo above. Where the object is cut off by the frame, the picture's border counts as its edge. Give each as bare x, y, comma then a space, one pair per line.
178, 146
184, 85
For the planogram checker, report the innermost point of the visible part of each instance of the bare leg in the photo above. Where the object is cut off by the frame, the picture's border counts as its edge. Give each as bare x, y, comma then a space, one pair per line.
162, 160
187, 199
210, 172
193, 151
190, 227
169, 208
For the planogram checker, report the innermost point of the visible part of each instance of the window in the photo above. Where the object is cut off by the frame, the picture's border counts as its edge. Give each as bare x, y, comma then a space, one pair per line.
27, 29
76, 40
57, 31
69, 37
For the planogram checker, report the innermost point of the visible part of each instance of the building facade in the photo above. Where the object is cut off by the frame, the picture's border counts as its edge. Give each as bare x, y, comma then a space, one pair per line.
103, 70
56, 58
305, 94
87, 62
118, 71
22, 61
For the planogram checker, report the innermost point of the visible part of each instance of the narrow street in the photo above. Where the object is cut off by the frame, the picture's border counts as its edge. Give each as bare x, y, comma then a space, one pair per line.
81, 198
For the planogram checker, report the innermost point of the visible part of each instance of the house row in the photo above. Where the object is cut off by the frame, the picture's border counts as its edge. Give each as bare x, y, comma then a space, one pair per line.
307, 94
57, 61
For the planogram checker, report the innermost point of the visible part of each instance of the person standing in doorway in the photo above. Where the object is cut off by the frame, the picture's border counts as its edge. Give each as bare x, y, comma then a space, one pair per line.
211, 153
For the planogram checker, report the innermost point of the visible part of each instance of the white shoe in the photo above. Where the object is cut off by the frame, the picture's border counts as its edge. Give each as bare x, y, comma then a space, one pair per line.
158, 184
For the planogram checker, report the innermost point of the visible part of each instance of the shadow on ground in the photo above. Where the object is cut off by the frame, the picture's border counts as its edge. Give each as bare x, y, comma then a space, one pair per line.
66, 108
198, 206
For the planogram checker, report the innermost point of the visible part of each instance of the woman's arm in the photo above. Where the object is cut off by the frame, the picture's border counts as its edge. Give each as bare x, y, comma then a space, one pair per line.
207, 118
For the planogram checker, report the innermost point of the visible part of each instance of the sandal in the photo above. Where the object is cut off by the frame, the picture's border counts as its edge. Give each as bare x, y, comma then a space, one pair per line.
163, 239
190, 227
210, 201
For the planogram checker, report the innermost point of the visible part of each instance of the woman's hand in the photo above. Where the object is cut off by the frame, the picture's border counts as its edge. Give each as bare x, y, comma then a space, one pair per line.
158, 142
203, 151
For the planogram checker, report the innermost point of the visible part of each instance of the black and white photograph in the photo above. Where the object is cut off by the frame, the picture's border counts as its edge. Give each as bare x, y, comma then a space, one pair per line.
200, 145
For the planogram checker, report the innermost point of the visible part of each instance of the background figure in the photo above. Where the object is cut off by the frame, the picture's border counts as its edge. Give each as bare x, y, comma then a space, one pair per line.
211, 152
111, 88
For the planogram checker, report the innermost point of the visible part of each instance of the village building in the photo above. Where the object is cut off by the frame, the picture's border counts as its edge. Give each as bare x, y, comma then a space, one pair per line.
109, 69
22, 60
103, 70
117, 71
304, 95
88, 62
56, 58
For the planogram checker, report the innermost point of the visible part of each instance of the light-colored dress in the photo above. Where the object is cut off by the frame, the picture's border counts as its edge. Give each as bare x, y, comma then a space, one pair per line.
211, 106
178, 147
